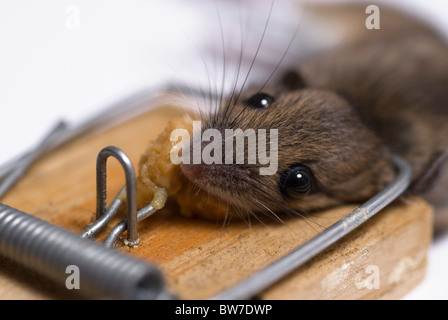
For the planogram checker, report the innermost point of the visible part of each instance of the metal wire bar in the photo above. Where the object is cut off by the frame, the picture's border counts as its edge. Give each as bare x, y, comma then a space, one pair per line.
118, 230
131, 188
91, 231
12, 173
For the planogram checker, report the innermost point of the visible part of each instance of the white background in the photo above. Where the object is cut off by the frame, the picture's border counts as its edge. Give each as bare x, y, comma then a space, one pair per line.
50, 71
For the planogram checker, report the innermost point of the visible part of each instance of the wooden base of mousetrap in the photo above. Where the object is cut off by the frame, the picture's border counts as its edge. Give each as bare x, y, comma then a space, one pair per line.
385, 258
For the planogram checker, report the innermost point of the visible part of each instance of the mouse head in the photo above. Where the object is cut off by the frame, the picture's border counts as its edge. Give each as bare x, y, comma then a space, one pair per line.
320, 153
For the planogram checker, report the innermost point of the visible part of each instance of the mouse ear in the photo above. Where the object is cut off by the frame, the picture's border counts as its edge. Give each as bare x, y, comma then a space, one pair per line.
292, 80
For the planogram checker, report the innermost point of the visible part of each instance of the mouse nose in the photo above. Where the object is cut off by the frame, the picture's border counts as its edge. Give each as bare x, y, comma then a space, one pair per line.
192, 171
196, 171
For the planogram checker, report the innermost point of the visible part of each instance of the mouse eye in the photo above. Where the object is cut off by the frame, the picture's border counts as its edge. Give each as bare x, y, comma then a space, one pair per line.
296, 182
259, 101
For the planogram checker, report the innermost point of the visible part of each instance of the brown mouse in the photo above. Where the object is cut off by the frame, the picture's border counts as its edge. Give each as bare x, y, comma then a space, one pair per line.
340, 116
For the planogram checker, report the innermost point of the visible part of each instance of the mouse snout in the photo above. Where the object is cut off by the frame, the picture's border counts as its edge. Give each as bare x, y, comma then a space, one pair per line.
192, 171
199, 164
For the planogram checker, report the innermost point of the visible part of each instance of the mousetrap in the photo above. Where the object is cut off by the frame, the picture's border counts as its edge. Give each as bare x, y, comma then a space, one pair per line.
191, 258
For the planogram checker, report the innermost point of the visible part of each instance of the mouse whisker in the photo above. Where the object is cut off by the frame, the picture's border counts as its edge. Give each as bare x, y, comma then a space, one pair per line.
278, 218
267, 208
198, 189
257, 50
232, 101
224, 62
243, 215
259, 220
227, 218
305, 216
288, 47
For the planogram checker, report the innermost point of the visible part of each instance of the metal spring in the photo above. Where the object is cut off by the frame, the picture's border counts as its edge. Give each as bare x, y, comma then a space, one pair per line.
50, 249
